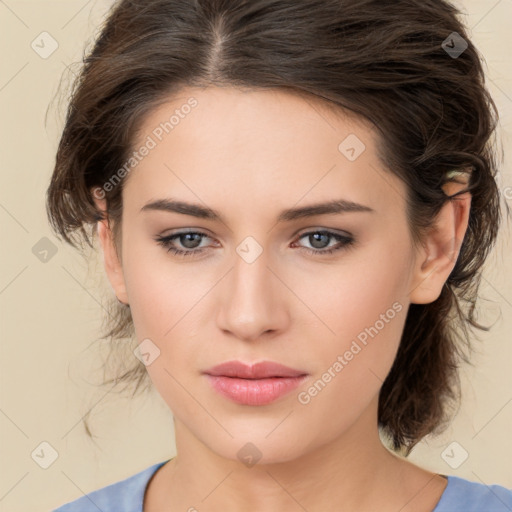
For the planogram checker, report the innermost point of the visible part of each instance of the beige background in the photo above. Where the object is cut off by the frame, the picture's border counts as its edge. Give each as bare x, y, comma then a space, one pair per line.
51, 312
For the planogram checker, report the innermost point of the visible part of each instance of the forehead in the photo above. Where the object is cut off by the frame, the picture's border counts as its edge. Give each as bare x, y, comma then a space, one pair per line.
269, 146
235, 112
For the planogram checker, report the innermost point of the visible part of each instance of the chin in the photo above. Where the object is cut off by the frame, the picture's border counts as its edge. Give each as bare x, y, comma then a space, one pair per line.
256, 450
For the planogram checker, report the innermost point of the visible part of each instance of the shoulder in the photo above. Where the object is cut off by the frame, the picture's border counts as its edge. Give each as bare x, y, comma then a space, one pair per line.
467, 496
126, 495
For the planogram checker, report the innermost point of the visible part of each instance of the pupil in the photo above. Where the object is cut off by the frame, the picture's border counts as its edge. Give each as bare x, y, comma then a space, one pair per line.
316, 240
189, 241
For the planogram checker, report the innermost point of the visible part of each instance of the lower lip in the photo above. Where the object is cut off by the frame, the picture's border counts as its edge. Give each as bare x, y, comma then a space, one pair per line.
254, 391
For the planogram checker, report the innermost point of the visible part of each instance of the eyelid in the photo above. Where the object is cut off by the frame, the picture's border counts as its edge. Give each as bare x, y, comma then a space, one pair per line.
298, 234
344, 242
317, 229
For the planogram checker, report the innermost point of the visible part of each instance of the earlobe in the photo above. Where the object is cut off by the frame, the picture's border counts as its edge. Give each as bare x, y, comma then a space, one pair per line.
440, 250
113, 267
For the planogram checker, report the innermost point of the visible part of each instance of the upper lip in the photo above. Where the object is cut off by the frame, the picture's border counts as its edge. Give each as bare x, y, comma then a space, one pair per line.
261, 370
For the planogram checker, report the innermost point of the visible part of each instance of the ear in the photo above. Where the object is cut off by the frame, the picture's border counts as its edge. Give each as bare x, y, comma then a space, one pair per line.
113, 266
438, 255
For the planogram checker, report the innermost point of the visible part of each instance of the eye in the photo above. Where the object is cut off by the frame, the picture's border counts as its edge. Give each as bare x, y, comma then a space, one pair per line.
191, 241
188, 239
319, 240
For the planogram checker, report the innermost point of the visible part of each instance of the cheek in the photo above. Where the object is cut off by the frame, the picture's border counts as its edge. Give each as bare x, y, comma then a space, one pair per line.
352, 295
165, 303
162, 306
362, 305
162, 292
366, 316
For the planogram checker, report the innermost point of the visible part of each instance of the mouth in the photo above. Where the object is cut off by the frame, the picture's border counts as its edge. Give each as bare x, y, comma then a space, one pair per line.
261, 370
259, 384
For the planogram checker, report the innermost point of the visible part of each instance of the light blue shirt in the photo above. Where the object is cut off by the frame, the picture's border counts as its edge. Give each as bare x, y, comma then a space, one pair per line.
460, 495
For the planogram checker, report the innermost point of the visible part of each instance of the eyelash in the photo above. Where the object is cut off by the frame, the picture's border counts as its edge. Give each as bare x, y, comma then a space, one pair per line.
166, 241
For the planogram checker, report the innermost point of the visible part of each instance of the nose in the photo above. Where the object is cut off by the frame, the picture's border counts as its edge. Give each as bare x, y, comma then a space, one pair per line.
253, 302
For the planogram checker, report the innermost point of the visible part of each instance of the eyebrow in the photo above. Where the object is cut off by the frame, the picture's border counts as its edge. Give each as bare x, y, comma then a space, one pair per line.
337, 206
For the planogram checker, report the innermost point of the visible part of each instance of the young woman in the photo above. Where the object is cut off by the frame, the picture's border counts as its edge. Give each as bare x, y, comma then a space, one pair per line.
294, 201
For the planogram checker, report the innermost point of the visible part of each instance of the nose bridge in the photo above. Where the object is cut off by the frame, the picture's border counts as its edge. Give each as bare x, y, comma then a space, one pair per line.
250, 286
252, 304
250, 273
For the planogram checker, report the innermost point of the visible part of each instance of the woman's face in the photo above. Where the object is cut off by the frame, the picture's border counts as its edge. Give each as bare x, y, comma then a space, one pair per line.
258, 290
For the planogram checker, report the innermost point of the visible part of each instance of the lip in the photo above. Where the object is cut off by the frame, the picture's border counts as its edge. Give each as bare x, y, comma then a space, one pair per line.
261, 370
259, 384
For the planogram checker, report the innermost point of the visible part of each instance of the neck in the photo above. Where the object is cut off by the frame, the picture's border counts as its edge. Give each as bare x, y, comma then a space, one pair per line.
354, 471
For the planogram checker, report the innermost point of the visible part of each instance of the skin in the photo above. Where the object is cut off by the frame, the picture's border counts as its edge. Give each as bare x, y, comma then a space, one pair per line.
249, 154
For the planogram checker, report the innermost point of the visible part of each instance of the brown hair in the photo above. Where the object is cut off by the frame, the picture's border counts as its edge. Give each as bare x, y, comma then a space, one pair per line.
385, 61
